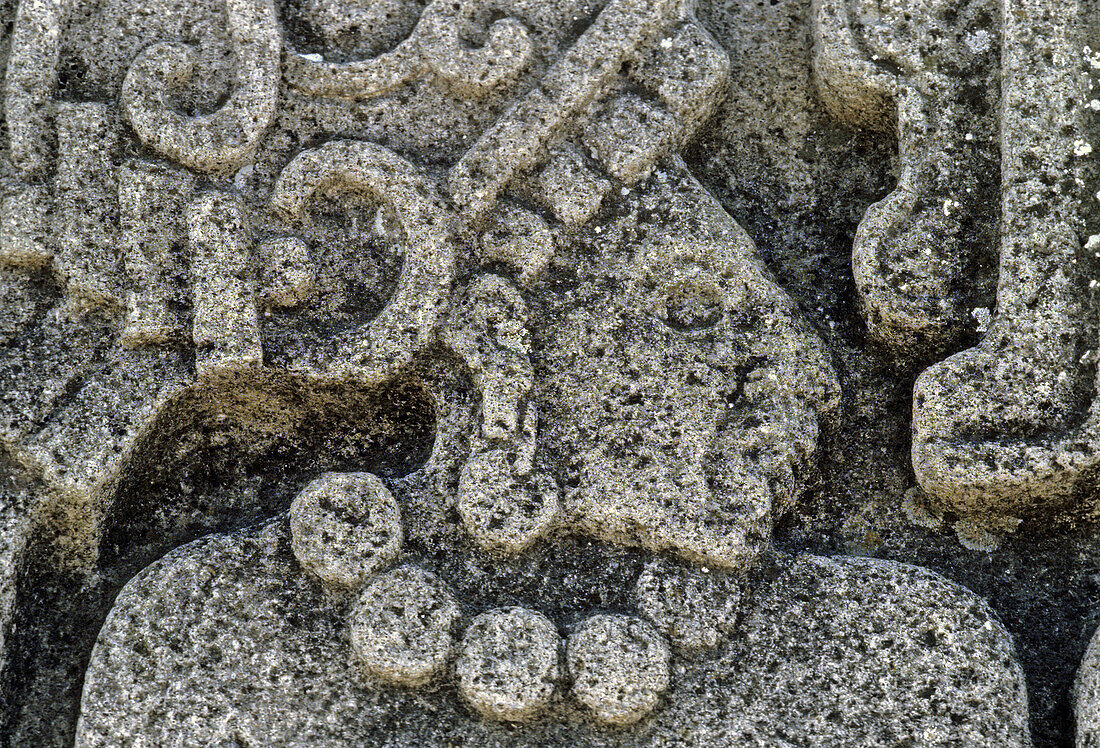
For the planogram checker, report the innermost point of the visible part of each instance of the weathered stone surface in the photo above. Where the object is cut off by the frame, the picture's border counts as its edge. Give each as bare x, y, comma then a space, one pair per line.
1086, 697
228, 638
1009, 428
504, 503
688, 398
344, 527
693, 609
427, 372
508, 665
401, 627
841, 638
921, 256
619, 667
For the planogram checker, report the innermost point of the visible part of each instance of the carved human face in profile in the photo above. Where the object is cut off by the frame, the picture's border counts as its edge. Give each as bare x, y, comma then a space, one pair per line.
678, 431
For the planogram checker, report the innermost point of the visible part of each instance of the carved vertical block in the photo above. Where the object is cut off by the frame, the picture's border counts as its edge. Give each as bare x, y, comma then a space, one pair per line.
23, 228
152, 198
30, 83
226, 328
85, 190
1005, 429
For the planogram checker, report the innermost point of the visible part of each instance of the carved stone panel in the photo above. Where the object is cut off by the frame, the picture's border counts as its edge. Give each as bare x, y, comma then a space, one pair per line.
547, 372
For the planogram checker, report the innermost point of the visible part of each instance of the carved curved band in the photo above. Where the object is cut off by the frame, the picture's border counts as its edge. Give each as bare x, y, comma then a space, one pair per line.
434, 45
227, 137
411, 319
519, 138
504, 55
360, 79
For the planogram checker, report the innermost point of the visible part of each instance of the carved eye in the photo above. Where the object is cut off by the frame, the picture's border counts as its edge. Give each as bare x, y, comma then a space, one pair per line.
693, 304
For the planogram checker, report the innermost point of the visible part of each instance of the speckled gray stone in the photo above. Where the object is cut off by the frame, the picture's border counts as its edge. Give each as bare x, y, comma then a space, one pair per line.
228, 638
344, 527
508, 666
1086, 697
432, 372
619, 667
402, 627
834, 641
693, 609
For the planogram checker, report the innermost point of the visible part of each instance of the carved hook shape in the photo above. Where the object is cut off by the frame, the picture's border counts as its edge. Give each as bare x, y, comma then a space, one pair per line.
913, 249
221, 139
472, 72
412, 317
433, 46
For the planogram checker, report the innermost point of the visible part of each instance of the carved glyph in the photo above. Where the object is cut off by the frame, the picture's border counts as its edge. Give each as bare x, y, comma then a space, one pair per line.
921, 257
1008, 428
225, 138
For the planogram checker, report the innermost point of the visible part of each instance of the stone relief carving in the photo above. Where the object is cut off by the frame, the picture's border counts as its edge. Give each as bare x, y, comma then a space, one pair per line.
223, 139
1085, 698
921, 257
996, 454
595, 350
1001, 432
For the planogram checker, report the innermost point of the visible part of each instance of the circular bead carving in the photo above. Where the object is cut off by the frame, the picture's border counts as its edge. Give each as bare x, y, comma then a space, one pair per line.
401, 626
344, 527
508, 664
619, 666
